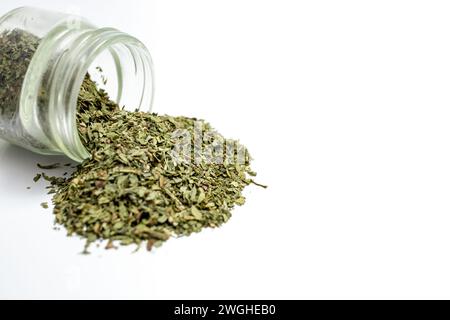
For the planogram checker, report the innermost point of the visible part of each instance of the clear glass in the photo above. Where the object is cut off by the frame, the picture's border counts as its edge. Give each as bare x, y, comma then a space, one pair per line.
38, 109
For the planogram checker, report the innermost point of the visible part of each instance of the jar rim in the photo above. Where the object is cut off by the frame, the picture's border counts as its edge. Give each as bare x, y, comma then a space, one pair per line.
69, 73
100, 40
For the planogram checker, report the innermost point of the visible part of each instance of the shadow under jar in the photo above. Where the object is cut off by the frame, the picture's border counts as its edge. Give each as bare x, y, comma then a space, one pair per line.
44, 58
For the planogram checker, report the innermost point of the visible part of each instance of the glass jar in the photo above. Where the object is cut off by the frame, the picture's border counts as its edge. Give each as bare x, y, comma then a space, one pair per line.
44, 58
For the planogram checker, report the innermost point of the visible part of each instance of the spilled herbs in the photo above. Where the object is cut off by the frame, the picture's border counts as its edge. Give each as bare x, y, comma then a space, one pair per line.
149, 177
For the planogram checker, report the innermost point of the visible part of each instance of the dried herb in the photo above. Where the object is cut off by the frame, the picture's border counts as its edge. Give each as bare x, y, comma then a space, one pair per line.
49, 166
131, 190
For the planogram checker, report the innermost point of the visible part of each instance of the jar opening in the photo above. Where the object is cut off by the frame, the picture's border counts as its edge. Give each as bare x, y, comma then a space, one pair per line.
119, 63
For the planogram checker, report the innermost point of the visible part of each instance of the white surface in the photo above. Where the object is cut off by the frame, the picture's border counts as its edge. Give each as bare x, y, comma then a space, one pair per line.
345, 106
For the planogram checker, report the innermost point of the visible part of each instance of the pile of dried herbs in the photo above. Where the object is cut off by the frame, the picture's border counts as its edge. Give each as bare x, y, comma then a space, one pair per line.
132, 190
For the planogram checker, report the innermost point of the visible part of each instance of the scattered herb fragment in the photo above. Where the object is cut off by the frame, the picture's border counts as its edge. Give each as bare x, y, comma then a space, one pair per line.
49, 166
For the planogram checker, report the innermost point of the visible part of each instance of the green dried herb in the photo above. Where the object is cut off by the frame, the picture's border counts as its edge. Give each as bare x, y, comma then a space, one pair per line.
131, 190
49, 167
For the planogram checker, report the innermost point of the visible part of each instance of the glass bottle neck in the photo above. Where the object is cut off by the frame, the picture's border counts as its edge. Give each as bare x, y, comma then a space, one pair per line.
52, 85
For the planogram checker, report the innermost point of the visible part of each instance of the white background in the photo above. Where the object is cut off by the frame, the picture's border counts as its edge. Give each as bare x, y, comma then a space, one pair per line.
345, 107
